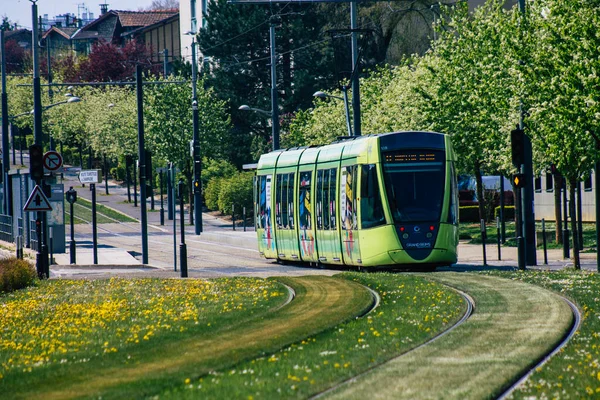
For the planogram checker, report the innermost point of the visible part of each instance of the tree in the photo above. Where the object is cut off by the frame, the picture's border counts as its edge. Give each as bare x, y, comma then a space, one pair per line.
17, 60
6, 24
164, 5
169, 125
108, 62
561, 78
472, 95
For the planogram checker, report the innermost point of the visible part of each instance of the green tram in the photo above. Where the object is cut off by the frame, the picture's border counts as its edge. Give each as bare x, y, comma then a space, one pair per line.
387, 200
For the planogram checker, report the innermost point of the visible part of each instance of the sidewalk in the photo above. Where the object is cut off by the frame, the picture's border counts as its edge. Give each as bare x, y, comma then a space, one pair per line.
220, 231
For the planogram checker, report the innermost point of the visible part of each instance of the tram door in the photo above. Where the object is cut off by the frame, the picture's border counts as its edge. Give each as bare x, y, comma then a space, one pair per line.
306, 229
285, 233
328, 238
349, 215
264, 216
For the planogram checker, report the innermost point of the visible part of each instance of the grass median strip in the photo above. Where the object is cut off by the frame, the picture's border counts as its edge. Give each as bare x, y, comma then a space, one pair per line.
139, 371
513, 325
573, 373
411, 310
82, 210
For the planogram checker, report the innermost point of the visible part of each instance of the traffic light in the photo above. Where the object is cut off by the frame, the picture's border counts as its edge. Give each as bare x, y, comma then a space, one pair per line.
36, 162
517, 140
518, 180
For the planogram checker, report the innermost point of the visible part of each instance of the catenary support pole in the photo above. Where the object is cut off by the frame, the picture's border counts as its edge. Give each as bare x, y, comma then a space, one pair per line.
94, 223
42, 253
197, 158
5, 145
355, 74
274, 106
142, 161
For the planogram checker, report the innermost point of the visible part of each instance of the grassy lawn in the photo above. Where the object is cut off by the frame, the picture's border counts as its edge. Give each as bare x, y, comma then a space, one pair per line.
412, 309
472, 233
133, 338
513, 324
82, 211
574, 373
63, 331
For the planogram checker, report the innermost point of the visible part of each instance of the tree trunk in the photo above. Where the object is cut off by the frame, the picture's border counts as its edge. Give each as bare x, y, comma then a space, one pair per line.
574, 234
479, 188
558, 182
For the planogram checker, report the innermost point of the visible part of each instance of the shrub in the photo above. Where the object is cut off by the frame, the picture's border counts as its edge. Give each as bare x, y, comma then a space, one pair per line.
469, 214
509, 213
211, 193
118, 173
236, 190
212, 168
15, 274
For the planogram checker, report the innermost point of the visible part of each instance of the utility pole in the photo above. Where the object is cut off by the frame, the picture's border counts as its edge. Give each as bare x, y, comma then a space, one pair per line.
197, 184
142, 161
5, 152
42, 253
355, 75
527, 191
50, 92
274, 107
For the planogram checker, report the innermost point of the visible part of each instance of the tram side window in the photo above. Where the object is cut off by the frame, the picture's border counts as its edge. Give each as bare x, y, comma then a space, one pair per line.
370, 198
305, 200
319, 198
282, 200
278, 191
290, 201
332, 180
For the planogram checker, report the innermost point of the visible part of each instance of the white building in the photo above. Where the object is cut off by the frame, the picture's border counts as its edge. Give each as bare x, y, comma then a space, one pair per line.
191, 19
543, 198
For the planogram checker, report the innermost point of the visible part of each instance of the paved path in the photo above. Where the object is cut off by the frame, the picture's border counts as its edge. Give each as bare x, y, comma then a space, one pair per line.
218, 250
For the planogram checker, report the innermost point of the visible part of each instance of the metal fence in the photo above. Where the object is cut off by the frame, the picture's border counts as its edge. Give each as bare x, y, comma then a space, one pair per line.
6, 228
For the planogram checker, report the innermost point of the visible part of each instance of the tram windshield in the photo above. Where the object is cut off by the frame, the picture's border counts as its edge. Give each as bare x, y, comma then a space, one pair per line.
414, 181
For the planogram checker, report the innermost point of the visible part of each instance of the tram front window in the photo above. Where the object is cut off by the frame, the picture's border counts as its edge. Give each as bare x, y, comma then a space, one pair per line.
414, 183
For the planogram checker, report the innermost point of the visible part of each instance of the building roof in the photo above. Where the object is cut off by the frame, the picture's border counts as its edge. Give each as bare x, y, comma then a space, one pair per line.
147, 28
67, 33
15, 32
135, 19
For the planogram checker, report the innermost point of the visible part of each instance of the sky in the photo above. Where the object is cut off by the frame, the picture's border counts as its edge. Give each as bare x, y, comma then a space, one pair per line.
20, 10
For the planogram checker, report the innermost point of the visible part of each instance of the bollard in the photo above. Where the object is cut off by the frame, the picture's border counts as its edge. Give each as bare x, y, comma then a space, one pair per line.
521, 252
244, 218
182, 246
499, 240
544, 241
233, 215
566, 251
483, 237
51, 245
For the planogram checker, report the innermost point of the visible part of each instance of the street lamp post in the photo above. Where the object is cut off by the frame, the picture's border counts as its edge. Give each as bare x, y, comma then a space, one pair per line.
5, 154
197, 184
324, 95
274, 107
274, 123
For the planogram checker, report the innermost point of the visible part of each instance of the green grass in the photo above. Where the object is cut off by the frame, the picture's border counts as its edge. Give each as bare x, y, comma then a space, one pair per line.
472, 233
82, 211
574, 373
62, 332
412, 310
224, 321
513, 324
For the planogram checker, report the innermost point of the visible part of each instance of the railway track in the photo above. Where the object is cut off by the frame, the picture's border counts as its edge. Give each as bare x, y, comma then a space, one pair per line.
488, 353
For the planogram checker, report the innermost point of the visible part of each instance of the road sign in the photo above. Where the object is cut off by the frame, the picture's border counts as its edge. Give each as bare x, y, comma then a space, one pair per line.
90, 176
52, 160
37, 201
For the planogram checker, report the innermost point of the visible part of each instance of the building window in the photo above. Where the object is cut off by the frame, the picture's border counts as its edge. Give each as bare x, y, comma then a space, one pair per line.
538, 183
549, 182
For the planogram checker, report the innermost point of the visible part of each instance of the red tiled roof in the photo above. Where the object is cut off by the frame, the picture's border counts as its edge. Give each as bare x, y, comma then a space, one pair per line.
130, 19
